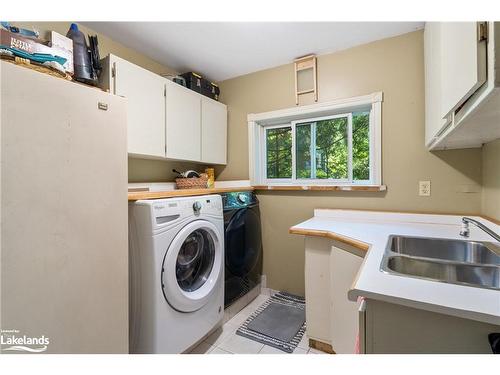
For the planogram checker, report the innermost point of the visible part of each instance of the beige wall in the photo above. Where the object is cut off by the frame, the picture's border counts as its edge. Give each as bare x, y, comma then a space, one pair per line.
491, 180
394, 66
139, 170
145, 170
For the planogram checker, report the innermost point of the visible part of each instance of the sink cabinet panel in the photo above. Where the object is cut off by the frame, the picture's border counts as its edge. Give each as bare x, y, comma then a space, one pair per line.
330, 270
396, 329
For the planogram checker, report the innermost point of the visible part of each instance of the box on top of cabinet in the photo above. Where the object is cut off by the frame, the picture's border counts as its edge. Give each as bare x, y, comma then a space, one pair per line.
210, 89
203, 86
64, 47
193, 81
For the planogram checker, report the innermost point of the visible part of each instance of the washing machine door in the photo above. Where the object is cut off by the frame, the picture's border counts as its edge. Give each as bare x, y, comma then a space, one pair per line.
192, 266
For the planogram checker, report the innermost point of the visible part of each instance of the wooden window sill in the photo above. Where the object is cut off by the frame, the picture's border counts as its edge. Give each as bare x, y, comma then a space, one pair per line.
322, 187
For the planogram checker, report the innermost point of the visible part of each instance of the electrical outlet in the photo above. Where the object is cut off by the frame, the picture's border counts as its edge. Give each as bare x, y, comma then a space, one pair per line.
424, 188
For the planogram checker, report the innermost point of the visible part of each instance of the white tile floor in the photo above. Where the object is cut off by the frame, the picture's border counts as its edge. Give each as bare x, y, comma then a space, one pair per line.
226, 341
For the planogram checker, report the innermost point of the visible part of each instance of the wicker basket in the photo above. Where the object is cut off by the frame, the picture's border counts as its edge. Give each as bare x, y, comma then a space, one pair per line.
192, 183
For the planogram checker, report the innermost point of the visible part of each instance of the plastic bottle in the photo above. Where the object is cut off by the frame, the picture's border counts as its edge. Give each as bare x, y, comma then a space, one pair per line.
211, 177
81, 57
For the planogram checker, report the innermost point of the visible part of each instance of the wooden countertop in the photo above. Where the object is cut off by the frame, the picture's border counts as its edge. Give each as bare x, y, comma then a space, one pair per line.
136, 195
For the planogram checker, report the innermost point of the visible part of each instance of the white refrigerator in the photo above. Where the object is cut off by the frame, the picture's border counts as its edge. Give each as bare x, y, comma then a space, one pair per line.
64, 246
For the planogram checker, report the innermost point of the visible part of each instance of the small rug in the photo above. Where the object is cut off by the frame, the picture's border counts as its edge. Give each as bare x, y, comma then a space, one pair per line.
279, 322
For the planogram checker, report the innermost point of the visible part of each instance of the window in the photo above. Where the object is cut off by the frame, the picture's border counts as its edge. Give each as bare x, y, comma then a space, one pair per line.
336, 144
333, 148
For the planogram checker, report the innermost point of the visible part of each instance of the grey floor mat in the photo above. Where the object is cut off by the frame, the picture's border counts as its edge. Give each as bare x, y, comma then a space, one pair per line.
279, 322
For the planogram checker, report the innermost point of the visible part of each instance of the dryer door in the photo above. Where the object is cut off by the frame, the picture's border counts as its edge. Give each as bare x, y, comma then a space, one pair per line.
192, 266
243, 241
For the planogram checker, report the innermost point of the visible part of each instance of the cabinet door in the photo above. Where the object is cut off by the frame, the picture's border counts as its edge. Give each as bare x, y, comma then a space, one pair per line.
144, 91
344, 267
64, 169
463, 68
213, 131
183, 125
318, 289
434, 121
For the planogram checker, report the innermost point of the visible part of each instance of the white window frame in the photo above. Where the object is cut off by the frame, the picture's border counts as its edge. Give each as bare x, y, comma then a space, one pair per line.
259, 123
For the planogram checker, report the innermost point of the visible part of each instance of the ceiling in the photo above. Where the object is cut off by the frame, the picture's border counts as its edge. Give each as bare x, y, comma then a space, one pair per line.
223, 50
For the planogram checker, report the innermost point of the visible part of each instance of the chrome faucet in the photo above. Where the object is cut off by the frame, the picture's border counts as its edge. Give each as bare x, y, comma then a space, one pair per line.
465, 231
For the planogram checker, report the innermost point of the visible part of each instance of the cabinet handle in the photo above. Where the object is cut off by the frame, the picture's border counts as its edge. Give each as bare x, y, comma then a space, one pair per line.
482, 31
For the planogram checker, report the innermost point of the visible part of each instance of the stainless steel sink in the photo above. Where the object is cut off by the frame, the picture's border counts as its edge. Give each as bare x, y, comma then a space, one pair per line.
470, 263
447, 249
481, 276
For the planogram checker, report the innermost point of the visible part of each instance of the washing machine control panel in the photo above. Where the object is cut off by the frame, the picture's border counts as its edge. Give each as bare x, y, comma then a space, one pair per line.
211, 204
168, 210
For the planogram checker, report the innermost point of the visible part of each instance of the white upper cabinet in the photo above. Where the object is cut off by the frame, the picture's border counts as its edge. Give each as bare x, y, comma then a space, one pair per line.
462, 93
166, 120
463, 63
144, 91
183, 125
213, 131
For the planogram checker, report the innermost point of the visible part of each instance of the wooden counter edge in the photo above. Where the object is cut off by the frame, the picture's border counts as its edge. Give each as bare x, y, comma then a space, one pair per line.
137, 195
331, 235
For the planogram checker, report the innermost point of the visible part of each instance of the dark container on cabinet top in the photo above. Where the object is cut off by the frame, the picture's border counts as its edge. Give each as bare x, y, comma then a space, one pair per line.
210, 89
193, 81
197, 83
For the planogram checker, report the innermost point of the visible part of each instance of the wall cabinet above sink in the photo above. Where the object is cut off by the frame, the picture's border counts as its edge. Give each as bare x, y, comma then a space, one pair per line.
462, 84
166, 120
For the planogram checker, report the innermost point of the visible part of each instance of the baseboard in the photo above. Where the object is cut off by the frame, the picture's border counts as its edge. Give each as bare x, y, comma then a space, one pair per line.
269, 292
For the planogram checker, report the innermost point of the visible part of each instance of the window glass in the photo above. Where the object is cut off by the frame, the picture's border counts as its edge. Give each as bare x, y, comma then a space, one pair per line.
279, 152
303, 150
331, 149
361, 145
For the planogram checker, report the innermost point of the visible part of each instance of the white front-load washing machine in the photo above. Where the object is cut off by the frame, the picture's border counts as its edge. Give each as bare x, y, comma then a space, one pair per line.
176, 272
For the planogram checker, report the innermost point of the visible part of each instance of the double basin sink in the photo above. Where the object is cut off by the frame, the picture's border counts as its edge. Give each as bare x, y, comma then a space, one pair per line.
462, 262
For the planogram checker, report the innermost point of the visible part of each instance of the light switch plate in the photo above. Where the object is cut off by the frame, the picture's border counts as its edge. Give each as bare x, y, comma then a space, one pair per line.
424, 188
